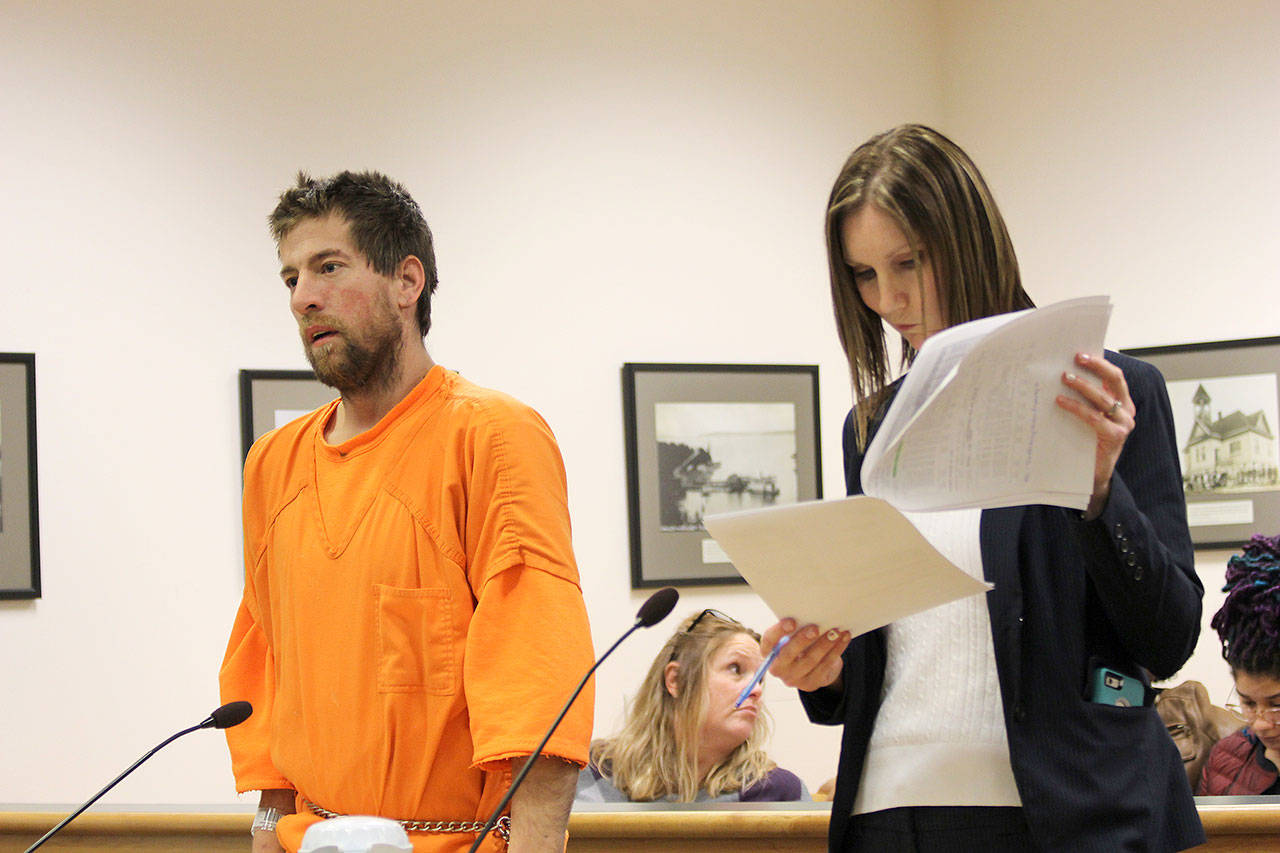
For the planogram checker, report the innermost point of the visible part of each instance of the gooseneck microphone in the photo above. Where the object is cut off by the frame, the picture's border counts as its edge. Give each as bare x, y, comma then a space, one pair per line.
224, 717
654, 610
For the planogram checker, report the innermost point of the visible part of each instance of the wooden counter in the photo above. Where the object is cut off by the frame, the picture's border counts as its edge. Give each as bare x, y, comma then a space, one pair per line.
1233, 824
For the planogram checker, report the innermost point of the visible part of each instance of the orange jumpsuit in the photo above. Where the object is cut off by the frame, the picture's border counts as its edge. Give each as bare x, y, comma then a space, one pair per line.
412, 618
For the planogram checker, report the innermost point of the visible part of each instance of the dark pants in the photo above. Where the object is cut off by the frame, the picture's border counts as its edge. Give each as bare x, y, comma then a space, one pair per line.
940, 829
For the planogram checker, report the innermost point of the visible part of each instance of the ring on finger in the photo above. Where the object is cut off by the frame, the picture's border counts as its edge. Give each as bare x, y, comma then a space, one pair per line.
1110, 413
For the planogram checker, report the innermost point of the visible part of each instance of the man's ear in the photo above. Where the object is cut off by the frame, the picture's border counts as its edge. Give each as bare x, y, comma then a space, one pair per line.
670, 679
411, 277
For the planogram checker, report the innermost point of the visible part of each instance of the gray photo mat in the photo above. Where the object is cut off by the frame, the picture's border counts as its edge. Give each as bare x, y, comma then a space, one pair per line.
264, 392
1210, 361
676, 556
19, 543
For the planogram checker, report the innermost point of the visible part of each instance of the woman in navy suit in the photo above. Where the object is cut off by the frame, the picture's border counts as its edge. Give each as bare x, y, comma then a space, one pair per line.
975, 726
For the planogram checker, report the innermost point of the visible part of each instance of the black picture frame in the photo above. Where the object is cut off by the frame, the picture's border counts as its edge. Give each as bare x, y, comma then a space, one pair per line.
19, 500
668, 544
267, 394
1230, 496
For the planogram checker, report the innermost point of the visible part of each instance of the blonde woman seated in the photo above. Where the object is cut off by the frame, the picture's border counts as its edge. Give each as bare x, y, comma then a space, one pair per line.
684, 741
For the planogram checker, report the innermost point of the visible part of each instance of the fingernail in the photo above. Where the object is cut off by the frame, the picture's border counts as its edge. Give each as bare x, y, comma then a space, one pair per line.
833, 635
1071, 377
811, 633
1084, 356
788, 625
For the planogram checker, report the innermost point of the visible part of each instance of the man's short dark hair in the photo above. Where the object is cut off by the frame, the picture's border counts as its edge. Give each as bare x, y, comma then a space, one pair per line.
386, 223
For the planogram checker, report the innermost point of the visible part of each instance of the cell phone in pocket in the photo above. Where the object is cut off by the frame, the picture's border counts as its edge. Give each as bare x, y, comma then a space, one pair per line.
1109, 687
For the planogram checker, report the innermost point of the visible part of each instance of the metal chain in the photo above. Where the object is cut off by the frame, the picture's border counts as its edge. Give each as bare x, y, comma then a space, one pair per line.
502, 828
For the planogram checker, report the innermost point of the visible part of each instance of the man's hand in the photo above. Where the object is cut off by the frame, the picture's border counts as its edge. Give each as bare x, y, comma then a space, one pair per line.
264, 841
282, 800
540, 809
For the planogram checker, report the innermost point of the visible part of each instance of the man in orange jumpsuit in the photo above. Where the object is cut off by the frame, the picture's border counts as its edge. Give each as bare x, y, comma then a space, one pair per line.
412, 619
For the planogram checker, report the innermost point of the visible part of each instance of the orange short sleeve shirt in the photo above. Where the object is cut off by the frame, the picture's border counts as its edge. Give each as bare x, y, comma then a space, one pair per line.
411, 616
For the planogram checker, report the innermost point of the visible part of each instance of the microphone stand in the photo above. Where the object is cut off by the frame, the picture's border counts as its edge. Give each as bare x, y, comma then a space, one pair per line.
110, 785
643, 620
231, 714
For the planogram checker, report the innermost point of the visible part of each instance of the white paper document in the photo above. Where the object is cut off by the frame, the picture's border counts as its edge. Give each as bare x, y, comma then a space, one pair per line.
855, 563
975, 423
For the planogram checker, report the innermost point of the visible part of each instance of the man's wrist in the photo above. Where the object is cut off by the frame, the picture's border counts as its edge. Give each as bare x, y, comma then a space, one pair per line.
265, 820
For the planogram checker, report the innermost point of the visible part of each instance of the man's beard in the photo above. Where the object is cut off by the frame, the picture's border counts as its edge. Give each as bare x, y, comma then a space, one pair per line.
354, 365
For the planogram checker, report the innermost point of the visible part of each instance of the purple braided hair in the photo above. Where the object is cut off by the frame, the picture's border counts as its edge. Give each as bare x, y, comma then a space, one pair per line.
1248, 623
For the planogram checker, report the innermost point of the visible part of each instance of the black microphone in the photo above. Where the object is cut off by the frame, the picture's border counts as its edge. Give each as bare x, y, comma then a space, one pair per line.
228, 715
656, 607
654, 610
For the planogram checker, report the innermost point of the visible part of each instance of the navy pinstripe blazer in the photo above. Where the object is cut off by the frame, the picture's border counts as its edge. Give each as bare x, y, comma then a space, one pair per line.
1120, 589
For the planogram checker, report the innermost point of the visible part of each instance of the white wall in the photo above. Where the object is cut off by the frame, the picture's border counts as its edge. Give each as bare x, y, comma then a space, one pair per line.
637, 181
1131, 147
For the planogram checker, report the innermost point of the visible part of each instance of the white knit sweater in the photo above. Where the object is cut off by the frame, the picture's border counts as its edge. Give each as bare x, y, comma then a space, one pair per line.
939, 739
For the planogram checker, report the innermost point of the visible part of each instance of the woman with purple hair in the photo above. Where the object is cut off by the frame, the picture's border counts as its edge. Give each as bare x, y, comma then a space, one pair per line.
1249, 625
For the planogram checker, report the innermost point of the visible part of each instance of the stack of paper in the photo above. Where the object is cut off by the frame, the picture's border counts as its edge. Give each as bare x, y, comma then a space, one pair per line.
855, 563
975, 424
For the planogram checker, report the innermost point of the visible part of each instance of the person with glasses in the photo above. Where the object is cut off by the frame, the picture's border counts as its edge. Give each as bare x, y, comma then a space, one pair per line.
685, 739
1248, 623
976, 725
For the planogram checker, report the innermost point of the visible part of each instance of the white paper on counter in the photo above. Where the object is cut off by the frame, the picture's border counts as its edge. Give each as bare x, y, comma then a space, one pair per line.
855, 563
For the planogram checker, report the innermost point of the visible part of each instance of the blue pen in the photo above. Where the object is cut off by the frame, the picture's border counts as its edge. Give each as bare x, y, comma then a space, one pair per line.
764, 667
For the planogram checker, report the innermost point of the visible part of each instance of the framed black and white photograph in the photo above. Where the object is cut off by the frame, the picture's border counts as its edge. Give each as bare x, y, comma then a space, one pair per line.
272, 398
19, 507
710, 438
1226, 408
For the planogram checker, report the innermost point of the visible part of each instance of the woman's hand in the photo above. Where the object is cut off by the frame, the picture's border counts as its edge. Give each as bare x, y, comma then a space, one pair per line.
809, 661
1108, 411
